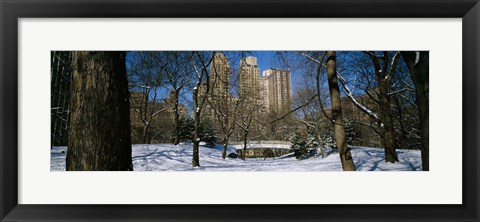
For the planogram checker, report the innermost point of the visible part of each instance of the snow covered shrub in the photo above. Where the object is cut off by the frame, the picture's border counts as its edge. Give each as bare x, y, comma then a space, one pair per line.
299, 145
329, 139
329, 150
307, 146
186, 129
208, 134
352, 134
311, 141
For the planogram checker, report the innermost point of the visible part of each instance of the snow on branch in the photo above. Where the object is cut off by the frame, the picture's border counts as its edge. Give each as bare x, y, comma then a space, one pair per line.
159, 111
417, 57
311, 58
398, 91
356, 103
393, 65
196, 71
140, 86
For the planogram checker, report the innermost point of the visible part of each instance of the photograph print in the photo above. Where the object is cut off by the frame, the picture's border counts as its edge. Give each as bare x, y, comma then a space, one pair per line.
239, 111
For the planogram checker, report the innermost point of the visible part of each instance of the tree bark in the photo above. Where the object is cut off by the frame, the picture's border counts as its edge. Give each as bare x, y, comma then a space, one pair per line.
224, 150
196, 136
145, 139
388, 140
340, 137
245, 136
384, 78
177, 120
99, 134
419, 72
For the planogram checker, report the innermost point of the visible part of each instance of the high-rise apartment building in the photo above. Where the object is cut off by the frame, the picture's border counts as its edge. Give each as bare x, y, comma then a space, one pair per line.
219, 85
249, 79
279, 90
220, 75
263, 94
272, 90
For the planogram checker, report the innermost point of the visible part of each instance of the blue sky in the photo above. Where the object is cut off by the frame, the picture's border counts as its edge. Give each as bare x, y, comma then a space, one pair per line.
265, 60
270, 59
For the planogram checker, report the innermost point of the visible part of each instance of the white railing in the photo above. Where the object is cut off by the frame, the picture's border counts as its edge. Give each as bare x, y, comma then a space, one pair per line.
263, 142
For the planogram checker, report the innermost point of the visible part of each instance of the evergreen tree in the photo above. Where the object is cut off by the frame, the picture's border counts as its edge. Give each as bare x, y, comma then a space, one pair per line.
185, 129
299, 145
329, 139
352, 135
208, 134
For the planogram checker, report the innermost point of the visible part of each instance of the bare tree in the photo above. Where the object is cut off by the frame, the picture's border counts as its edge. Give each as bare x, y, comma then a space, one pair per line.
245, 120
200, 94
311, 115
405, 110
225, 107
226, 114
418, 65
384, 68
99, 134
340, 137
177, 75
145, 76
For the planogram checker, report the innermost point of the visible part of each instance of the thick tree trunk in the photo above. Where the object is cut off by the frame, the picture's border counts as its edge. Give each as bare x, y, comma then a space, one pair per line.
196, 158
340, 137
224, 150
99, 134
384, 79
388, 140
418, 65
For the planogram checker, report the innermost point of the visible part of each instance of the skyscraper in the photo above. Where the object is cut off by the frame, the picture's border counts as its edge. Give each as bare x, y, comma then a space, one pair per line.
220, 75
279, 91
219, 85
249, 75
263, 94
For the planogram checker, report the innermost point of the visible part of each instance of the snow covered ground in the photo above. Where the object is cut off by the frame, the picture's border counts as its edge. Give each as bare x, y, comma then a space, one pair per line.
168, 157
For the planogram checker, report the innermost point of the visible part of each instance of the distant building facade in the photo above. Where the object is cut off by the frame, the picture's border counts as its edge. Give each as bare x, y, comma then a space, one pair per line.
263, 94
249, 79
271, 91
279, 90
220, 75
159, 116
219, 79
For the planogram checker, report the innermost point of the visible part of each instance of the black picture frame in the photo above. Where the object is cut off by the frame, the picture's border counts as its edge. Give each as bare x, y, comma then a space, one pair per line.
11, 11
